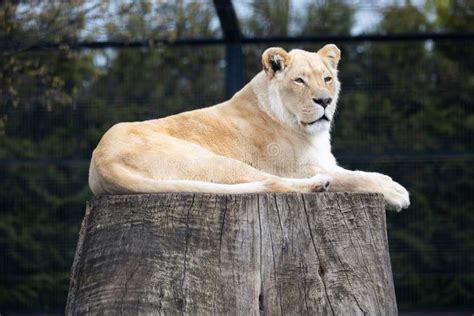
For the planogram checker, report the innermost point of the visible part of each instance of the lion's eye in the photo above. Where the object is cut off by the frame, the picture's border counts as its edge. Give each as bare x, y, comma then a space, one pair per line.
327, 79
299, 81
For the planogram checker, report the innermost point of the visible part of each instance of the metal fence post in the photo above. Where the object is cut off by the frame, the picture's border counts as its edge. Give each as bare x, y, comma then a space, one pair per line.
234, 69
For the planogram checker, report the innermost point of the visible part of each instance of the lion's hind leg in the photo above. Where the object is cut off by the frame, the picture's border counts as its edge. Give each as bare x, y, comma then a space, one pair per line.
130, 182
168, 164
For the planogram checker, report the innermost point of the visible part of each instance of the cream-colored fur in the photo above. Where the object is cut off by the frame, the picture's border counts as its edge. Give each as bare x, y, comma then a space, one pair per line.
271, 136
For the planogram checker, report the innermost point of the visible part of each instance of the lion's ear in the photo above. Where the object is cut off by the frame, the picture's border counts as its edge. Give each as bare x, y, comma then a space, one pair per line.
275, 59
332, 53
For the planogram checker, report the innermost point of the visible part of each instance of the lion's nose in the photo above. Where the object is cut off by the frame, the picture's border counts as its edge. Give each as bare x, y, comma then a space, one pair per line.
324, 102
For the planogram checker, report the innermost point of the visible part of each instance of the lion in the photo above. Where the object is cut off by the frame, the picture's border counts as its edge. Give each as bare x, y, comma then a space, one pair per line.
272, 136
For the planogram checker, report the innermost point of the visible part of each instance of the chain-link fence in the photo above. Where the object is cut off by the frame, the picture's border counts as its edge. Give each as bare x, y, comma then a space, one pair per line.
406, 110
411, 119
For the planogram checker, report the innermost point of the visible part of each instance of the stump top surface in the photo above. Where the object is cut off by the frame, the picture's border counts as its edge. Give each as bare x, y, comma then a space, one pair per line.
324, 195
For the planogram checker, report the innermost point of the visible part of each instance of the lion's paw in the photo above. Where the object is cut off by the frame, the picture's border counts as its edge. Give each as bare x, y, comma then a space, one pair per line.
319, 183
396, 196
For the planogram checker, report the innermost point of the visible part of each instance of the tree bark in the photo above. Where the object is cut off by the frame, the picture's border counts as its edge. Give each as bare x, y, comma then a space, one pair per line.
245, 254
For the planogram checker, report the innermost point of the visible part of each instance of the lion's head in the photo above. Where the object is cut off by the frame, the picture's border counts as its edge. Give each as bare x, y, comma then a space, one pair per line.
303, 87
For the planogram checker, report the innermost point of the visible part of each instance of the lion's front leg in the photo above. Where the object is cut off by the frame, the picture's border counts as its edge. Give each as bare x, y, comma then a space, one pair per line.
396, 196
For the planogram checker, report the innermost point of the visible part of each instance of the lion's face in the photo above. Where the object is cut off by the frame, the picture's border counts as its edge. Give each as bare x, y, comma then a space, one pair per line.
304, 86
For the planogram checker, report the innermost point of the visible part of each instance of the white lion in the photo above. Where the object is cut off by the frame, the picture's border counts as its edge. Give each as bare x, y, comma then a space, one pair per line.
271, 136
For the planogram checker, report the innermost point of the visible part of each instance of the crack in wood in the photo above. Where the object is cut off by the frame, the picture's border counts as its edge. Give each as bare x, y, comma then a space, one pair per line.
317, 254
261, 256
342, 265
367, 265
214, 306
188, 235
277, 285
279, 219
305, 294
222, 230
135, 269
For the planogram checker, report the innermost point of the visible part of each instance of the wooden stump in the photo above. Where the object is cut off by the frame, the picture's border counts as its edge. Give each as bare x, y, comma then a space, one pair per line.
246, 254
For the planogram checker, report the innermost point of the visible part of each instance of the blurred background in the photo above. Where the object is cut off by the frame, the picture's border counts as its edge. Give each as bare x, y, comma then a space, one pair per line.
70, 69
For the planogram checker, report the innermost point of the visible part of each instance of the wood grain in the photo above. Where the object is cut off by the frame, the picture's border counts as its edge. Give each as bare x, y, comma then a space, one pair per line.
244, 254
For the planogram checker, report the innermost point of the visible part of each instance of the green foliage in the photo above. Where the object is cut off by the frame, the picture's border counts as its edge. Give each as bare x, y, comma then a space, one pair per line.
397, 98
269, 17
42, 207
328, 17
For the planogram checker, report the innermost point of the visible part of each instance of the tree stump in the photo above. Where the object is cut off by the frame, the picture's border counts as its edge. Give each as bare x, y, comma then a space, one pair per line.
242, 254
